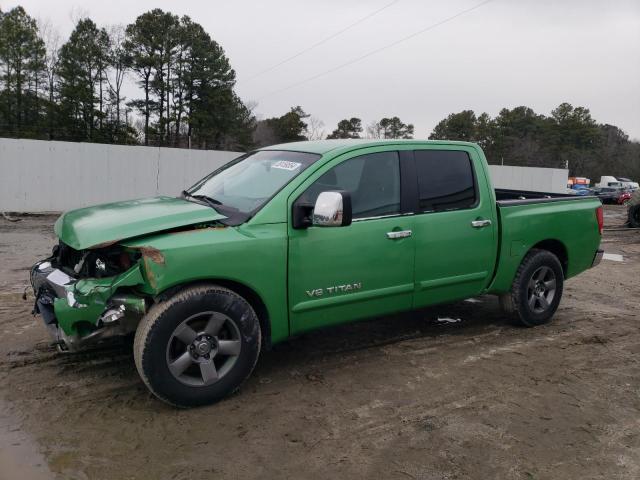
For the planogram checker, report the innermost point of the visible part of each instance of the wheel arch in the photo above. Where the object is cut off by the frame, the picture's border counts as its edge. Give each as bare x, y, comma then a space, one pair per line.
557, 248
241, 289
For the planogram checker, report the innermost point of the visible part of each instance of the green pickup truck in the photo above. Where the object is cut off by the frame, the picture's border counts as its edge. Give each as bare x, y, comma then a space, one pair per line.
300, 236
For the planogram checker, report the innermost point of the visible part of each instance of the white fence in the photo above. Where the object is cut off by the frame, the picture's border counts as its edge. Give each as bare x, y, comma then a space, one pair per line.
551, 180
41, 176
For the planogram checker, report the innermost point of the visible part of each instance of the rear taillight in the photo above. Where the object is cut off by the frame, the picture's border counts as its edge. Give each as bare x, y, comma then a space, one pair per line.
600, 217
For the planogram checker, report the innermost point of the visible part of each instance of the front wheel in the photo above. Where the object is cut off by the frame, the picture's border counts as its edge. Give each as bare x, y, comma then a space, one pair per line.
536, 290
198, 346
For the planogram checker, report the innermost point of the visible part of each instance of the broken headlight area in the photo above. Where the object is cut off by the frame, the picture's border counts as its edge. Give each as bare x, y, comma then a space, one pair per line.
95, 262
77, 309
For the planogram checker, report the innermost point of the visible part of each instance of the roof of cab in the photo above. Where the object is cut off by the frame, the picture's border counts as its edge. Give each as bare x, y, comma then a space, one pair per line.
324, 146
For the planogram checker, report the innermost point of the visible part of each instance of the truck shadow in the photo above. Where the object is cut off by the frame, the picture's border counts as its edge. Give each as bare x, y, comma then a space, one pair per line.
108, 368
469, 318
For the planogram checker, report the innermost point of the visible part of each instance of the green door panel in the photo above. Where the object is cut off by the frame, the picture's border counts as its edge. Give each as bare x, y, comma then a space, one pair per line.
346, 273
454, 260
339, 274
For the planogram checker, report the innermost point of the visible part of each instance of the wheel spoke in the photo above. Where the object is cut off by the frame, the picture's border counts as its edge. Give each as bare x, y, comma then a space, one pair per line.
186, 334
542, 273
532, 284
532, 301
180, 364
229, 347
550, 284
215, 324
544, 303
208, 372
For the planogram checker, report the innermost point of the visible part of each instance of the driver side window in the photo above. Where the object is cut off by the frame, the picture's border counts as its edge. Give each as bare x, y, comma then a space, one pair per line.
373, 180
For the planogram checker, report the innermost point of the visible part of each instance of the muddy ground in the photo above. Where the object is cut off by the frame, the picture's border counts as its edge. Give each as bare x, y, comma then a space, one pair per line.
406, 397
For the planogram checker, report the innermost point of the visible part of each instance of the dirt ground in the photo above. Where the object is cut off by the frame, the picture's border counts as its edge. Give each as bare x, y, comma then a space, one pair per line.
415, 396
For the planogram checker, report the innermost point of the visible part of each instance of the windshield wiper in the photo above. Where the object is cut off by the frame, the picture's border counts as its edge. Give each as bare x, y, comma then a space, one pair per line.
212, 202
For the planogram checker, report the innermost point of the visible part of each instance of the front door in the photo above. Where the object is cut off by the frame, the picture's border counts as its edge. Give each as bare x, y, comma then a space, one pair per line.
339, 274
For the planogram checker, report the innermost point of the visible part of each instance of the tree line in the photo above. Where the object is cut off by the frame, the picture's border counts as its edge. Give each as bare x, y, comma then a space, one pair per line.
568, 138
74, 91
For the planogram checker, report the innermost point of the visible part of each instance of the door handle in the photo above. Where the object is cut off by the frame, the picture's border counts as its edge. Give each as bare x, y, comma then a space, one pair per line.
480, 223
399, 234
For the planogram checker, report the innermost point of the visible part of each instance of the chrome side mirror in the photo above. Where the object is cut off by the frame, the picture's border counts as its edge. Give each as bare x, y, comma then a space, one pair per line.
332, 209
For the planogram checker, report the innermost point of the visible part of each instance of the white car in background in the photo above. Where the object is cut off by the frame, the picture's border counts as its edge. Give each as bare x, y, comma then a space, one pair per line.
617, 182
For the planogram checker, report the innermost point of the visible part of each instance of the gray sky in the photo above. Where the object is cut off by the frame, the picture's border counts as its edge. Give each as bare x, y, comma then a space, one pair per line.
506, 53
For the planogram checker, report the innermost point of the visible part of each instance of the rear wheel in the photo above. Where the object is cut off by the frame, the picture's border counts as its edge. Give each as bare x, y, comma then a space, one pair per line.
198, 346
536, 290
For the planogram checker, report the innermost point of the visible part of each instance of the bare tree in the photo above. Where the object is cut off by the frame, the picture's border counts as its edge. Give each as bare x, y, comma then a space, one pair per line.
78, 13
264, 134
315, 129
374, 130
118, 61
52, 41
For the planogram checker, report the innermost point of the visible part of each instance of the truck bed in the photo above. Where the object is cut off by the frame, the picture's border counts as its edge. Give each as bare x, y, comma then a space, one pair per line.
563, 223
506, 197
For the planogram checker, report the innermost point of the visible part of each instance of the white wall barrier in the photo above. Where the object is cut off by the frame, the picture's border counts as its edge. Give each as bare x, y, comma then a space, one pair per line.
551, 180
42, 176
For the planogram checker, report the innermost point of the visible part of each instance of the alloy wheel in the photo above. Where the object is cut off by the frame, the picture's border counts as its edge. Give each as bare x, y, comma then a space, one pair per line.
203, 349
541, 289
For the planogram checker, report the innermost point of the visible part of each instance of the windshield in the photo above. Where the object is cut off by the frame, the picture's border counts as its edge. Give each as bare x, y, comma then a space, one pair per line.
247, 183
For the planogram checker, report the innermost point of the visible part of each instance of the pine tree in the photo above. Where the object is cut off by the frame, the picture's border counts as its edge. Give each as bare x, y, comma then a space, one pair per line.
22, 54
82, 65
347, 128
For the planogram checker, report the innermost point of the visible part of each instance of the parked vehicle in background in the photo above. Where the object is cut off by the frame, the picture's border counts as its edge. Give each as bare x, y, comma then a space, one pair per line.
608, 195
624, 197
617, 182
634, 210
628, 184
300, 236
579, 189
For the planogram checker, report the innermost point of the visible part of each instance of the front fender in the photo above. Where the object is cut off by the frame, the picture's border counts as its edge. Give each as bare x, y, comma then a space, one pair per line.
251, 255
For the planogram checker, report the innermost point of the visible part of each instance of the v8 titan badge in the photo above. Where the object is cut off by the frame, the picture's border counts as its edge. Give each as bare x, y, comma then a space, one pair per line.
349, 287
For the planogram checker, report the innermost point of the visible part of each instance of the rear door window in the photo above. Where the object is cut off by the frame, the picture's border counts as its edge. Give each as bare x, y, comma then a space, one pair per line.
445, 180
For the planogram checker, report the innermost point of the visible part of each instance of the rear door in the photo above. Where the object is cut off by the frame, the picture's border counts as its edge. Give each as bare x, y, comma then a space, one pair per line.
338, 274
454, 227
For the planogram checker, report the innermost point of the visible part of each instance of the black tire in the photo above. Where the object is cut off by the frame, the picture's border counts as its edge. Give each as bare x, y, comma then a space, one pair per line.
531, 301
634, 216
220, 362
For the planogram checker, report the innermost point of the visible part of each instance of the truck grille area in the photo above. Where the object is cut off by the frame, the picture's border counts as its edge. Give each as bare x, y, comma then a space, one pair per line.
93, 263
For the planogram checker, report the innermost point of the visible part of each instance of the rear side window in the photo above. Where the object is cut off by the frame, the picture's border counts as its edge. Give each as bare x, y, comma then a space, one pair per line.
445, 180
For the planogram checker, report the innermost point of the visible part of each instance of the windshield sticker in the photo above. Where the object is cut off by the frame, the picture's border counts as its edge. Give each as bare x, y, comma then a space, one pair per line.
284, 165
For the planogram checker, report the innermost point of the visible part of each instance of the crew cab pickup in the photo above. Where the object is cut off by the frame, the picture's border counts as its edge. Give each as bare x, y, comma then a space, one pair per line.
300, 236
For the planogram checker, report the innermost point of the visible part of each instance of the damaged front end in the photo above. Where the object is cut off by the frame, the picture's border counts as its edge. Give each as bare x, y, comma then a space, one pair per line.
85, 296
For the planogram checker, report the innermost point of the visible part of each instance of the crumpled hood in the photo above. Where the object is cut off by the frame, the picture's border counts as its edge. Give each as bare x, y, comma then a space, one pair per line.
109, 223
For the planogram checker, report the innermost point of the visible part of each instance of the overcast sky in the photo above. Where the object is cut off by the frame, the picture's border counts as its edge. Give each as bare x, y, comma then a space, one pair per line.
505, 53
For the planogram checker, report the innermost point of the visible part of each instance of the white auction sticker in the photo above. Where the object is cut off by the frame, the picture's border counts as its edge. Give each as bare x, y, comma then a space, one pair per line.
284, 165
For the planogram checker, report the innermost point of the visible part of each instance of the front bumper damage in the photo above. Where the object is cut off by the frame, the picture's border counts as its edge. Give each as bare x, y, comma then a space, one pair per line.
78, 312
